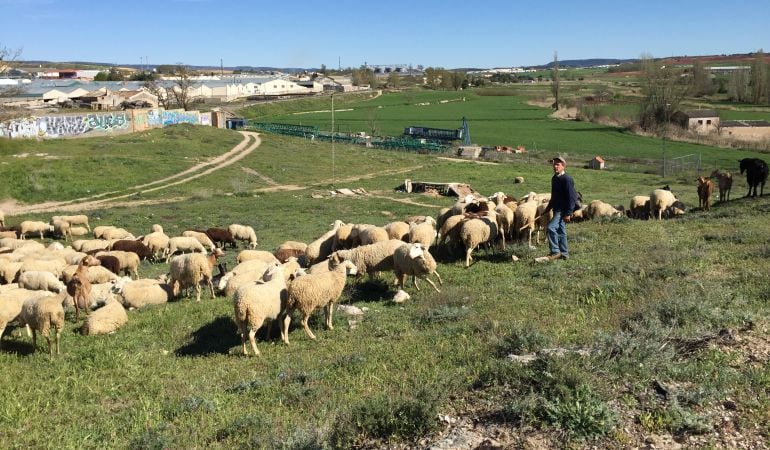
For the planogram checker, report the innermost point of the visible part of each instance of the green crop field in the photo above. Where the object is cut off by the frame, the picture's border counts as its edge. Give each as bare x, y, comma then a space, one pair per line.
651, 332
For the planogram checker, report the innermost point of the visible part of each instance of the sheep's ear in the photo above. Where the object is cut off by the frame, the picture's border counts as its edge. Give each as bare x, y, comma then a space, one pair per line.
415, 251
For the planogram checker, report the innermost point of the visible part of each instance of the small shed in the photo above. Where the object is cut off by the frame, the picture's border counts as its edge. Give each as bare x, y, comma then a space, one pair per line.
701, 121
597, 163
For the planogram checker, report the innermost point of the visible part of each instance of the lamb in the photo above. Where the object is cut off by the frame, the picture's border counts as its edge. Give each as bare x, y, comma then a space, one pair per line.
725, 184
11, 301
705, 189
322, 247
221, 237
201, 237
660, 201
398, 230
79, 219
142, 292
254, 303
111, 234
34, 226
106, 319
41, 314
246, 255
311, 291
414, 260
639, 208
243, 233
41, 281
368, 259
190, 269
504, 215
184, 244
423, 233
478, 231
598, 208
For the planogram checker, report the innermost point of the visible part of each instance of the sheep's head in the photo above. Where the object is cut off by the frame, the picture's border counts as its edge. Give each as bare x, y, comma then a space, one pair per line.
416, 251
273, 271
90, 260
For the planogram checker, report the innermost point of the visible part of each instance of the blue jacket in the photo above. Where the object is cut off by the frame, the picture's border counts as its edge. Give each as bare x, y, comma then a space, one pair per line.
563, 194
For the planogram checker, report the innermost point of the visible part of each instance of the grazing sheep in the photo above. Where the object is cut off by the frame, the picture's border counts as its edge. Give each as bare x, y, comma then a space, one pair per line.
450, 230
243, 233
95, 274
660, 201
142, 292
414, 260
62, 228
54, 265
342, 237
191, 269
368, 259
137, 247
157, 242
11, 301
705, 189
106, 319
311, 291
290, 249
639, 208
184, 244
90, 245
725, 184
254, 303
598, 208
41, 281
9, 271
99, 231
524, 220
41, 314
156, 228
79, 219
78, 231
201, 237
34, 226
476, 232
322, 247
243, 273
112, 234
129, 261
423, 233
372, 234
756, 175
246, 255
221, 237
398, 230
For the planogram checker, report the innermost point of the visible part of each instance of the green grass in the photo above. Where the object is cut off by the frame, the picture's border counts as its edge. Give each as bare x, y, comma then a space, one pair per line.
634, 293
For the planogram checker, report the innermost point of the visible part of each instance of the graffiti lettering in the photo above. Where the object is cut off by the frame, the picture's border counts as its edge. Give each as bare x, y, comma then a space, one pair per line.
106, 122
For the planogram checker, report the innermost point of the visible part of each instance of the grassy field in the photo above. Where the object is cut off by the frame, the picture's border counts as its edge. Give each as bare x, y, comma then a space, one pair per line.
670, 317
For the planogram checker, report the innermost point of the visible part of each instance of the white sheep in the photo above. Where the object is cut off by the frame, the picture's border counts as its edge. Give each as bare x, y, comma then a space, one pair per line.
138, 293
312, 291
34, 226
598, 208
475, 232
8, 234
41, 314
106, 319
78, 231
246, 255
243, 233
254, 303
191, 269
184, 244
16, 244
62, 228
450, 229
542, 219
112, 234
245, 272
524, 220
423, 233
54, 265
397, 230
79, 219
11, 301
341, 238
41, 280
372, 234
9, 271
90, 245
158, 243
99, 231
660, 201
322, 247
201, 237
368, 259
414, 260
95, 274
156, 228
639, 208
129, 261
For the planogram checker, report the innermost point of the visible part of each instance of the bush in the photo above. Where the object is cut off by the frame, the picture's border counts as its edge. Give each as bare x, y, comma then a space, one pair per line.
579, 412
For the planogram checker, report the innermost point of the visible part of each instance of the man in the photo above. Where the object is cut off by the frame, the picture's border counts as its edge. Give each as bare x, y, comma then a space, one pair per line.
563, 202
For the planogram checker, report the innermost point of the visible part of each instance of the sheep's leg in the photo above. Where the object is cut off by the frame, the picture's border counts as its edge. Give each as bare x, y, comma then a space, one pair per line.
211, 287
309, 333
253, 341
242, 334
468, 258
414, 282
432, 284
58, 340
329, 310
1, 333
34, 340
198, 292
285, 322
29, 330
48, 339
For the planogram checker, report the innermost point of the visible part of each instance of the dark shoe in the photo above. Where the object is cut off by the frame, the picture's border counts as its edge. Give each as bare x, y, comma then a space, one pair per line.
555, 256
549, 258
564, 256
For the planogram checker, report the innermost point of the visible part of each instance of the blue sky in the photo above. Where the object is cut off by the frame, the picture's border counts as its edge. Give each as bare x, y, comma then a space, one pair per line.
445, 34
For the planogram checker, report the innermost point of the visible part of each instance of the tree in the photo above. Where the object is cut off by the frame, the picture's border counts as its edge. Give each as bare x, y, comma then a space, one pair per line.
458, 79
738, 86
8, 58
160, 91
181, 91
446, 79
555, 81
758, 78
323, 69
371, 121
433, 77
701, 80
394, 80
663, 88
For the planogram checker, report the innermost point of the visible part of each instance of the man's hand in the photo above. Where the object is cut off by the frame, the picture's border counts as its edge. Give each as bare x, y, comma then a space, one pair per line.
567, 218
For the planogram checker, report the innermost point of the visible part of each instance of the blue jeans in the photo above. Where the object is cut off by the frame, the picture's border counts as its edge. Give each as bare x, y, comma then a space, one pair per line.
557, 234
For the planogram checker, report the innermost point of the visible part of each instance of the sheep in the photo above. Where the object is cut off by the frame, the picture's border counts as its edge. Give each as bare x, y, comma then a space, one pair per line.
201, 237
311, 291
543, 217
11, 301
639, 208
450, 230
183, 244
524, 218
342, 237
290, 249
423, 233
372, 234
129, 261
9, 271
62, 228
53, 265
79, 219
2, 218
462, 204
34, 226
41, 314
40, 280
504, 215
246, 255
142, 292
398, 230
322, 247
99, 231
414, 260
246, 272
157, 242
368, 259
95, 274
725, 183
190, 269
117, 233
90, 245
705, 189
79, 287
478, 231
355, 234
105, 320
401, 296
126, 245
78, 231
8, 234
243, 233
221, 237
156, 228
16, 244
660, 200
254, 303
598, 208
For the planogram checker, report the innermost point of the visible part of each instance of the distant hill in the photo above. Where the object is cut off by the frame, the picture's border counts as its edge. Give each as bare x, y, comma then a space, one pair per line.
593, 62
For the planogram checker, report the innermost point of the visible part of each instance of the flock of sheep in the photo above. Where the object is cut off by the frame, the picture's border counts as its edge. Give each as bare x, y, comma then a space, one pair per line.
38, 282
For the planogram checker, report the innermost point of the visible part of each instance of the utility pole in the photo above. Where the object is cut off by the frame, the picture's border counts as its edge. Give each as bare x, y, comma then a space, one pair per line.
221, 67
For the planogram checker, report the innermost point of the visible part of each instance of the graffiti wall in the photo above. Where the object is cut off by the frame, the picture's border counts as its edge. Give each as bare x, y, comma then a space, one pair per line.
99, 124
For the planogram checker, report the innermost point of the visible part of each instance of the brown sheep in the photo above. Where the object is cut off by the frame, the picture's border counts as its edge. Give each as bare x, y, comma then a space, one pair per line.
705, 189
79, 288
725, 182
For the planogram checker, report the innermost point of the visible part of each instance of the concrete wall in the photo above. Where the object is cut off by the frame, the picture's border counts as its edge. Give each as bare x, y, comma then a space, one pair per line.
98, 123
746, 133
